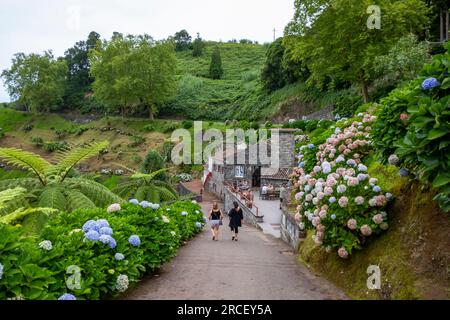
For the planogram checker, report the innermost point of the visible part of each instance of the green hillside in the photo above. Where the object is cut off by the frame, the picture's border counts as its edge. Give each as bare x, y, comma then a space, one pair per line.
239, 93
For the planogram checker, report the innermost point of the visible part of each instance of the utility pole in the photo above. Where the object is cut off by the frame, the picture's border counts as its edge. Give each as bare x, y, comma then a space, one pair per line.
274, 31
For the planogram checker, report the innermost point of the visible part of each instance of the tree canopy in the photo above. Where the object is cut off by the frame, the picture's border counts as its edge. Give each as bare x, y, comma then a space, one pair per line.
215, 68
335, 41
182, 40
133, 70
37, 81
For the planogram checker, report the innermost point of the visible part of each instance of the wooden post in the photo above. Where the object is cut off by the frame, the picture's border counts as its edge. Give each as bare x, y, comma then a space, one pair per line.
441, 25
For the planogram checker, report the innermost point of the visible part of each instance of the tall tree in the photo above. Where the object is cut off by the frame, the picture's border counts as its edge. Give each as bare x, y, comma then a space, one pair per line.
133, 70
337, 43
215, 68
182, 40
198, 46
37, 81
272, 73
78, 79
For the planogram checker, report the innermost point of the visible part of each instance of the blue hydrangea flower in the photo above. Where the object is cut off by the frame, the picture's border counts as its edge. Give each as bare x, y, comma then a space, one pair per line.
106, 231
108, 240
403, 172
362, 167
102, 223
134, 201
1, 271
333, 216
184, 213
310, 146
430, 83
198, 225
112, 243
89, 225
205, 219
134, 240
92, 235
302, 164
376, 189
332, 200
145, 204
154, 206
119, 256
67, 296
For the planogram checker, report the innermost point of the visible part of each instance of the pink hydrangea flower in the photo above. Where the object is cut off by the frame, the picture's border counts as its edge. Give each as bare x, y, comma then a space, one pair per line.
352, 224
298, 217
378, 218
342, 253
343, 202
359, 200
352, 182
320, 228
328, 191
366, 230
309, 197
404, 117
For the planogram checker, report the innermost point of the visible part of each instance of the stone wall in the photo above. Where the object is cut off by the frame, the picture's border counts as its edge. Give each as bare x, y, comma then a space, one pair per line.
249, 214
325, 113
290, 232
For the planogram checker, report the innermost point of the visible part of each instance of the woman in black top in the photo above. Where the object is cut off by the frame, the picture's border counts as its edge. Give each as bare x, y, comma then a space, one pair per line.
216, 217
236, 217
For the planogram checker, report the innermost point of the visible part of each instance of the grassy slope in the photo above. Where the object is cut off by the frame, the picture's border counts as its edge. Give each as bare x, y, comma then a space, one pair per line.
239, 94
413, 254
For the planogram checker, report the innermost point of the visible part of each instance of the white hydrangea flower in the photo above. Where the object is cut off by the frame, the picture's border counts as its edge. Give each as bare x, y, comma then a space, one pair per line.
46, 245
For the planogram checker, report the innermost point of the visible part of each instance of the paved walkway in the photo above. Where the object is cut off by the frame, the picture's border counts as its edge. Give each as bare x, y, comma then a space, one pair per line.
272, 215
258, 266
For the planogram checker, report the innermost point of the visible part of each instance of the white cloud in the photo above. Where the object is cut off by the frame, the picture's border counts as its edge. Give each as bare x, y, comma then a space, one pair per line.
35, 26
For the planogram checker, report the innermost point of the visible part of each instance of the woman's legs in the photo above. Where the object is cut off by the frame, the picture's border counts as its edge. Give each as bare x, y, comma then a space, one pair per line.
236, 233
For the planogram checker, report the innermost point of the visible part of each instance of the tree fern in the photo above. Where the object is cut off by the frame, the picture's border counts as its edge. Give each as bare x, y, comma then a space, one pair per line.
27, 183
53, 197
77, 200
26, 160
69, 158
53, 187
12, 199
98, 193
21, 213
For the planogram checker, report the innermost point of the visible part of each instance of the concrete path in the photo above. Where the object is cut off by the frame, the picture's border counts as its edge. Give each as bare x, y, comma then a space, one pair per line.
258, 266
272, 215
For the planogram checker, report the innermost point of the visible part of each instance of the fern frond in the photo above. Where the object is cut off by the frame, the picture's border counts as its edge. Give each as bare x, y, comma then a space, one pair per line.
140, 194
68, 159
165, 185
77, 200
127, 188
27, 183
148, 176
26, 160
53, 197
99, 194
22, 213
164, 194
12, 199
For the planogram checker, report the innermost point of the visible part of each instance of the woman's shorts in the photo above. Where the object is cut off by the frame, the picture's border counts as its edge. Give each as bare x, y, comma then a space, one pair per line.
215, 223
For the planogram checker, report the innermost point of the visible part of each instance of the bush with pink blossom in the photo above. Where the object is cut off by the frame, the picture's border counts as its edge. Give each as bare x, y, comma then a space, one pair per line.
334, 193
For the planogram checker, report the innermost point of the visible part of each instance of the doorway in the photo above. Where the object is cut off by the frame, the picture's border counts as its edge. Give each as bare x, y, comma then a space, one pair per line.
256, 177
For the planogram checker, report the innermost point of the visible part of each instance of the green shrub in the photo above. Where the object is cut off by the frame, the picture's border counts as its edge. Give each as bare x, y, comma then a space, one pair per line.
22, 277
136, 141
33, 273
37, 141
149, 127
51, 146
27, 127
346, 104
187, 124
388, 128
169, 127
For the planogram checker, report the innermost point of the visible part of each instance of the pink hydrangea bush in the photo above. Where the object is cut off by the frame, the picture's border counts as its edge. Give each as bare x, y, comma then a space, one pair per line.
336, 197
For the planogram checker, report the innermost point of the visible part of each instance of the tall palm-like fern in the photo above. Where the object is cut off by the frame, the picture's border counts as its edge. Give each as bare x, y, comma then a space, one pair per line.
52, 185
143, 186
13, 203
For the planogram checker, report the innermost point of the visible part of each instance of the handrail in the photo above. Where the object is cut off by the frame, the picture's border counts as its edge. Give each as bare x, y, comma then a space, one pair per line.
231, 188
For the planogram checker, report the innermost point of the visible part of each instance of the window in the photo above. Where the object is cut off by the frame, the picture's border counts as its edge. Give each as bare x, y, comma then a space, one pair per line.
239, 171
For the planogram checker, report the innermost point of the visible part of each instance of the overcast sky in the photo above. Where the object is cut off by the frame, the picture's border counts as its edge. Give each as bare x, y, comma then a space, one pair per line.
34, 26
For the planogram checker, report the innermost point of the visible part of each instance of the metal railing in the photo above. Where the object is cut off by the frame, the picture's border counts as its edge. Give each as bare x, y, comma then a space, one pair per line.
240, 196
